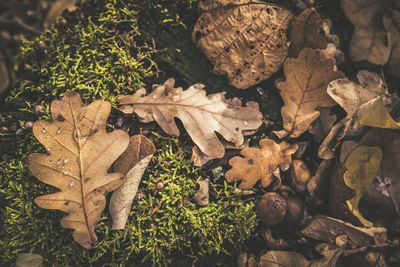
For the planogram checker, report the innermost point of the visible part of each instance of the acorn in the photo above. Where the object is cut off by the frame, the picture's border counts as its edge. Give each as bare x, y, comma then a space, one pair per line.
39, 109
294, 209
299, 175
28, 124
159, 186
271, 208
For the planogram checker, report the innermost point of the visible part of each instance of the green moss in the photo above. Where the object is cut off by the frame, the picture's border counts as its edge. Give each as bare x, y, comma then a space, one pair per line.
102, 53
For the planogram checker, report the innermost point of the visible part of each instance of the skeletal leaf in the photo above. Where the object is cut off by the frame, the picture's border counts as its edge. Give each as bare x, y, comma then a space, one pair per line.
350, 96
79, 154
202, 195
374, 114
57, 8
260, 163
276, 258
133, 162
369, 41
201, 115
245, 40
304, 89
327, 229
306, 32
362, 165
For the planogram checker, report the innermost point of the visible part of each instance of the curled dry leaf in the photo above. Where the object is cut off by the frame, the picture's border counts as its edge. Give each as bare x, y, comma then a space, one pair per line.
299, 175
79, 154
57, 8
369, 41
132, 163
202, 196
362, 165
350, 96
318, 185
201, 115
306, 31
374, 114
276, 258
260, 163
245, 40
304, 90
321, 127
328, 229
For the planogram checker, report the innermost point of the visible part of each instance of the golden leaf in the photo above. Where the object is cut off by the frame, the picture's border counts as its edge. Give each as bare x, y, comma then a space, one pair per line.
260, 163
79, 154
304, 90
201, 115
245, 40
362, 165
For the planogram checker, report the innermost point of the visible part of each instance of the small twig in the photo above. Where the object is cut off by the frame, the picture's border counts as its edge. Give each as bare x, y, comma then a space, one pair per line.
390, 244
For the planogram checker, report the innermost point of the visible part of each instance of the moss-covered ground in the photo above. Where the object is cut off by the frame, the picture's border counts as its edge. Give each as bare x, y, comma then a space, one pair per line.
106, 49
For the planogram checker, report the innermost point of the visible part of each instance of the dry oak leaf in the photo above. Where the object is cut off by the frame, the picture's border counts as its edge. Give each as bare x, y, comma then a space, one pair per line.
392, 25
79, 154
132, 163
305, 31
304, 90
260, 163
245, 40
201, 115
375, 114
57, 8
350, 96
369, 41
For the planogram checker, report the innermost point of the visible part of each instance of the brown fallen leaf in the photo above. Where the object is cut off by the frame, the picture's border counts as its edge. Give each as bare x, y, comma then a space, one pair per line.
57, 8
29, 260
243, 39
306, 32
392, 26
374, 114
350, 96
201, 115
79, 154
276, 258
202, 196
321, 127
304, 90
327, 229
260, 163
132, 163
389, 171
369, 41
318, 185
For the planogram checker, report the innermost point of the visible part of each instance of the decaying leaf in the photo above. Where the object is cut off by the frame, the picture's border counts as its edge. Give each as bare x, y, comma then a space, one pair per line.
362, 165
350, 96
318, 185
321, 127
374, 114
389, 171
260, 163
201, 115
244, 39
369, 41
306, 32
57, 8
29, 260
132, 163
202, 196
392, 25
304, 90
79, 154
276, 258
328, 229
